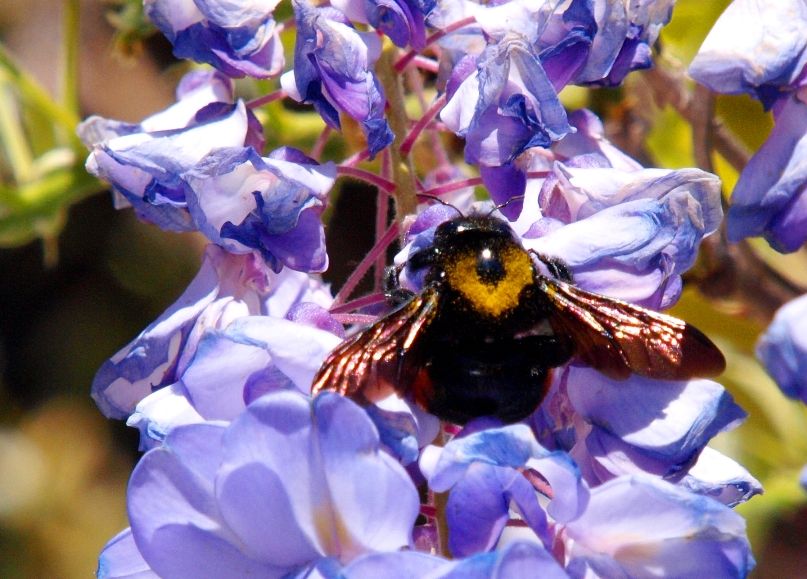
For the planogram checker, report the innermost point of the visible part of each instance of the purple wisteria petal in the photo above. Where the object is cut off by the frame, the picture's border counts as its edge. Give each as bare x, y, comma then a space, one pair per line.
289, 487
783, 349
120, 559
516, 560
719, 477
344, 496
641, 527
506, 106
195, 91
514, 447
398, 565
625, 33
629, 234
754, 48
226, 288
671, 421
162, 411
175, 521
145, 167
226, 360
588, 141
770, 197
403, 426
478, 508
232, 367
403, 21
333, 71
243, 201
237, 39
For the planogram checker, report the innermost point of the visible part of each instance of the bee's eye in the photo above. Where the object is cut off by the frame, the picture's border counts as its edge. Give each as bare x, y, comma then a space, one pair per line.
489, 266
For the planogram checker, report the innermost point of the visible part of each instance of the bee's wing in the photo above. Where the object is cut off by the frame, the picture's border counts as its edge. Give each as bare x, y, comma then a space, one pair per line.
618, 338
381, 358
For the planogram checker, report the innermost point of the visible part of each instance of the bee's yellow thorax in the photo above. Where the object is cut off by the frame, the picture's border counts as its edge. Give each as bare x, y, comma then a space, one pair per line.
492, 299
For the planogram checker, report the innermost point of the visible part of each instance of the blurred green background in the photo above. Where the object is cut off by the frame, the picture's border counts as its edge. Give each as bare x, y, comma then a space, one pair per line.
79, 279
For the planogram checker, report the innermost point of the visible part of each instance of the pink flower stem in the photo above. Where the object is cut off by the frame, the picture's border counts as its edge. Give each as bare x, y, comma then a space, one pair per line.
322, 140
384, 184
453, 186
422, 123
356, 276
356, 159
358, 303
266, 99
382, 210
404, 61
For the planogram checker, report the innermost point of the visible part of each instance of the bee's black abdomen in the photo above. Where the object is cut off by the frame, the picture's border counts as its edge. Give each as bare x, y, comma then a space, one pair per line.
505, 379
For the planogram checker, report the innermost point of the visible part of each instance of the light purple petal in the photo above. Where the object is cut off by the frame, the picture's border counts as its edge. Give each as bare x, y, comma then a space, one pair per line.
783, 348
238, 39
719, 477
772, 182
150, 359
509, 446
671, 420
226, 360
244, 202
162, 411
175, 521
477, 510
346, 496
646, 527
120, 559
398, 565
753, 44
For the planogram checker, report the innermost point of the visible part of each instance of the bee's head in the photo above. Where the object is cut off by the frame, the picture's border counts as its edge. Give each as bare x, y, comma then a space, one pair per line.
472, 230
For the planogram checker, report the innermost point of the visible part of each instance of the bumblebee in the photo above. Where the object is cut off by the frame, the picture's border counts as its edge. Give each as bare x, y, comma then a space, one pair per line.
482, 337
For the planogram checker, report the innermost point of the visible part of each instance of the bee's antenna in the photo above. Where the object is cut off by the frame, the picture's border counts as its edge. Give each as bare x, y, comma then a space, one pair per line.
505, 204
441, 202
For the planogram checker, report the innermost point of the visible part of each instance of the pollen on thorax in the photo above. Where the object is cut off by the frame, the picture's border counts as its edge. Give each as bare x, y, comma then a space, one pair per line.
490, 291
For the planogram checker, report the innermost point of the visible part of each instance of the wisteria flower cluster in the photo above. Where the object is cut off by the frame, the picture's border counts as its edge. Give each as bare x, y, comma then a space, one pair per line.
761, 49
245, 473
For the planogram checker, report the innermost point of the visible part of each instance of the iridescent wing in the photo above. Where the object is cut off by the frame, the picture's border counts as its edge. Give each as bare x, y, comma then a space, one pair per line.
382, 358
618, 338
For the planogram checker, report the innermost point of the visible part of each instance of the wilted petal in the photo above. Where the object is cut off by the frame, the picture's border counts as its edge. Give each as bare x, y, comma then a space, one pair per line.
146, 167
783, 348
238, 39
333, 71
719, 477
244, 202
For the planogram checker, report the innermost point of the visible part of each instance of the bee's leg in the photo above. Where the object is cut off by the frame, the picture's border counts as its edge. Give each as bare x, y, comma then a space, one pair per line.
557, 267
395, 294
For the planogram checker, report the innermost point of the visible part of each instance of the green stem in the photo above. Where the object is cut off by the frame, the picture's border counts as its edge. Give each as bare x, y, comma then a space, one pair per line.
403, 173
36, 96
12, 137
